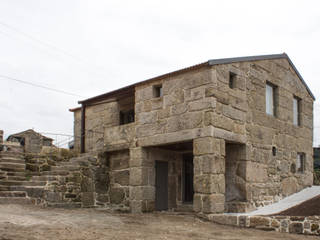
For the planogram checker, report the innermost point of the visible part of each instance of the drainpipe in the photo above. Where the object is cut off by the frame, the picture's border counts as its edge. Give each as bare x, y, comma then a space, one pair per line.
83, 128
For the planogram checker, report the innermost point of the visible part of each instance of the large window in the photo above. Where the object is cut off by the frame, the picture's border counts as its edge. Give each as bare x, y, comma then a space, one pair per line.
296, 111
270, 99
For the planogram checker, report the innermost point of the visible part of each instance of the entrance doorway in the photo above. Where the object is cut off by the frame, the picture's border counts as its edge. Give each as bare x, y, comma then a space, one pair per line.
187, 175
161, 185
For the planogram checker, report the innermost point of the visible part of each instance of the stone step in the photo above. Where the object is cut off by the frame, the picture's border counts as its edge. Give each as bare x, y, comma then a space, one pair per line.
65, 168
16, 178
44, 178
22, 183
5, 188
12, 169
12, 154
12, 160
55, 173
15, 200
13, 194
12, 165
65, 205
32, 191
22, 174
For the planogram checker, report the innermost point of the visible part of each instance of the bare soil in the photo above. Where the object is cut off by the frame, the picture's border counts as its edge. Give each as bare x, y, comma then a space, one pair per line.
31, 222
307, 208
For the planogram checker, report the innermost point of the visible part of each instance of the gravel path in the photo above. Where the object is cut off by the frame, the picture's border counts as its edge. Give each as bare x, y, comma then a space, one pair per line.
32, 222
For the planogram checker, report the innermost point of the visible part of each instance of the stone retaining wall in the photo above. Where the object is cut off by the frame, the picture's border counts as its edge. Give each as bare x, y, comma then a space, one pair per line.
290, 224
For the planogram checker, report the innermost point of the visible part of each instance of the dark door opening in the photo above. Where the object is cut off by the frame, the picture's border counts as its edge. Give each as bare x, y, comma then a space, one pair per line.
187, 178
161, 185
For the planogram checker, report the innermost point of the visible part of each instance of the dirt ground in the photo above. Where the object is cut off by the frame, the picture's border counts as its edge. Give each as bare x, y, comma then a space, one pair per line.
31, 222
307, 208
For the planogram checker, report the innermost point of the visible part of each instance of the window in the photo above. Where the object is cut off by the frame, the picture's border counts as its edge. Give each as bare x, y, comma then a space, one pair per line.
232, 79
157, 91
296, 111
270, 99
274, 151
126, 117
300, 162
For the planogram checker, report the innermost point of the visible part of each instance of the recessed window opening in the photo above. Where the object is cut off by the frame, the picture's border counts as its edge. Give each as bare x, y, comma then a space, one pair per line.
157, 91
232, 79
296, 111
300, 162
271, 99
126, 117
274, 151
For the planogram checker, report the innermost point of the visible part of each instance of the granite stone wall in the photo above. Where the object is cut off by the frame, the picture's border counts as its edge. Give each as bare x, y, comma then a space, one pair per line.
200, 106
290, 224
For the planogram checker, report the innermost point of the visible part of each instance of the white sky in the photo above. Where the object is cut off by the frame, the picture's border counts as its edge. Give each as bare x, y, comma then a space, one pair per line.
92, 47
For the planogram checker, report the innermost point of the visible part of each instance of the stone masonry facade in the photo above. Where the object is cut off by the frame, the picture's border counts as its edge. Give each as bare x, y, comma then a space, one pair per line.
243, 157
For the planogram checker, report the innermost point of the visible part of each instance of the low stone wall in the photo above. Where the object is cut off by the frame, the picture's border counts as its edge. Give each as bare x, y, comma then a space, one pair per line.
90, 180
290, 224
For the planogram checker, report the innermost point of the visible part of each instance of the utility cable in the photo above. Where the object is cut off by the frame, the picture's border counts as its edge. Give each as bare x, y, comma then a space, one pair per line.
40, 86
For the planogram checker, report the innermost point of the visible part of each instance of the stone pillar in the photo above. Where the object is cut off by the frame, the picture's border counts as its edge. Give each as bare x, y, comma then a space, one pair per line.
142, 181
1, 136
209, 175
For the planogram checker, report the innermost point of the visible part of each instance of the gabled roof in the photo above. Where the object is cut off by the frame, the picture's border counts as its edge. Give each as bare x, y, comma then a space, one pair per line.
212, 62
21, 134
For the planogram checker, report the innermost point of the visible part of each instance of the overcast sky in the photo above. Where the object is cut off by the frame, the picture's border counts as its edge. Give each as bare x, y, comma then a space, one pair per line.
92, 47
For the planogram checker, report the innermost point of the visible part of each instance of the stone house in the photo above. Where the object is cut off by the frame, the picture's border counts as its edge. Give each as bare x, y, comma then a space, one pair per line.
31, 140
226, 135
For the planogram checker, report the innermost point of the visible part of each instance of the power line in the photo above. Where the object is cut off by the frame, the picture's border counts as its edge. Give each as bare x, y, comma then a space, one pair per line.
40, 86
46, 44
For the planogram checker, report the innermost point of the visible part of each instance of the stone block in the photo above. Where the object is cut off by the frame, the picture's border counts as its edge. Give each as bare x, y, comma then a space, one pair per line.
53, 197
296, 227
233, 113
87, 184
219, 95
147, 117
259, 222
121, 177
209, 164
142, 193
188, 120
139, 157
213, 203
208, 183
119, 160
219, 121
224, 219
203, 104
179, 109
197, 203
117, 195
206, 145
256, 172
289, 186
138, 176
136, 206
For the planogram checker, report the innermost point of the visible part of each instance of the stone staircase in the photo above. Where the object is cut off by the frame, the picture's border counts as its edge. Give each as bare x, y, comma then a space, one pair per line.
60, 184
15, 186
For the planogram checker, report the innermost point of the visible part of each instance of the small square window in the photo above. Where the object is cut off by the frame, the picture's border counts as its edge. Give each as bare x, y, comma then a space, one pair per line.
300, 162
232, 79
157, 91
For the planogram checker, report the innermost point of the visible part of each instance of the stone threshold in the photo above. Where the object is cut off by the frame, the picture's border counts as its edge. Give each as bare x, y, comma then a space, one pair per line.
289, 224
